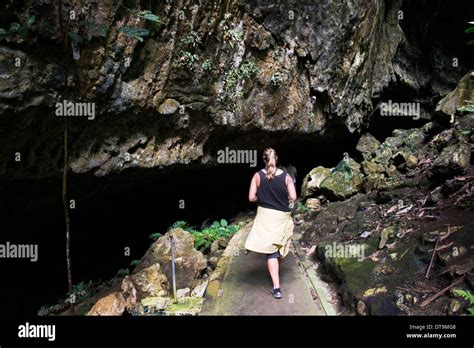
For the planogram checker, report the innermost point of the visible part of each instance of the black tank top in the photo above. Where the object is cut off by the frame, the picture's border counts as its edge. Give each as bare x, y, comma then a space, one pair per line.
273, 194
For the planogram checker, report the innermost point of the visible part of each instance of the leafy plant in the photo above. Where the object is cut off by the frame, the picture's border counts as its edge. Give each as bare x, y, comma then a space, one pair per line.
219, 229
191, 40
301, 208
233, 36
149, 16
469, 31
277, 78
186, 60
206, 65
466, 294
155, 236
82, 291
135, 263
179, 224
17, 31
247, 70
136, 33
211, 22
75, 37
139, 33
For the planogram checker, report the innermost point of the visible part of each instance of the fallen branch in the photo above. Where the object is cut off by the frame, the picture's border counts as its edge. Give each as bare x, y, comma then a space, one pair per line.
432, 259
444, 246
459, 269
451, 230
439, 293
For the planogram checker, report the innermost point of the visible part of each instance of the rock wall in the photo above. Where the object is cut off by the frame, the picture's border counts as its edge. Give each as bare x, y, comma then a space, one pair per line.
207, 71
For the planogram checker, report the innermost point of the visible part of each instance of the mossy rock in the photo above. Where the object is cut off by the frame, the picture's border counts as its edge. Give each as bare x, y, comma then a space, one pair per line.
312, 181
345, 181
185, 306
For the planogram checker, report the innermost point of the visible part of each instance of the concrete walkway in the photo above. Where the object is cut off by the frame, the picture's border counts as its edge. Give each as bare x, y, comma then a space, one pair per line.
241, 285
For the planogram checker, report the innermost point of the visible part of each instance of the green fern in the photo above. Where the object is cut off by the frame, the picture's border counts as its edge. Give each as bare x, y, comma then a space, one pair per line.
155, 236
179, 224
301, 208
135, 263
467, 295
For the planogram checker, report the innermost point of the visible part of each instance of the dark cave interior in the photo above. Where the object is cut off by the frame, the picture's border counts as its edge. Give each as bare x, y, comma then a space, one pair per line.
122, 210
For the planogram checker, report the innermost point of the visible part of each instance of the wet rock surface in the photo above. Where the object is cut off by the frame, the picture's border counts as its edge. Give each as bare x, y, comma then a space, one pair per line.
379, 248
251, 66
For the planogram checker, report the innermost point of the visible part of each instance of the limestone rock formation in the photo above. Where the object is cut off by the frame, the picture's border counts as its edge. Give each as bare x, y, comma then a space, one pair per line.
113, 304
188, 261
313, 69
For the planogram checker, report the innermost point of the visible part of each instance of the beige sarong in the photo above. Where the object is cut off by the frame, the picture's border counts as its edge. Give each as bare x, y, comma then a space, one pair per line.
271, 232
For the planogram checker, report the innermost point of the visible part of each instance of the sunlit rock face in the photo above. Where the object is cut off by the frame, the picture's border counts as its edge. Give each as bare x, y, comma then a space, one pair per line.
250, 67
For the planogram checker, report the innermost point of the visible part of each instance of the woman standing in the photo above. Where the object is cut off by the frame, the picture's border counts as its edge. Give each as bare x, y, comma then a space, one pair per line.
271, 232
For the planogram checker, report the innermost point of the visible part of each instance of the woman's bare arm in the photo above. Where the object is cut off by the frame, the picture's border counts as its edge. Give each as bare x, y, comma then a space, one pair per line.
253, 188
291, 188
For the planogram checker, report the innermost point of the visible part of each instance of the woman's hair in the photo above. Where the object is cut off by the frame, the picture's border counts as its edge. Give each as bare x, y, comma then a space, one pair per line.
270, 157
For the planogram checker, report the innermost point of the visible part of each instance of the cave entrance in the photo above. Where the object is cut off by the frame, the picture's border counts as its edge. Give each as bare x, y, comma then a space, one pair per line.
122, 210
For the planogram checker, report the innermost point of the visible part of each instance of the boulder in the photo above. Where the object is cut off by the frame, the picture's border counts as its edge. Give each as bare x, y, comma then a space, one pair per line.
372, 167
223, 242
453, 160
112, 304
414, 139
148, 282
344, 181
183, 292
213, 261
169, 106
131, 296
451, 186
386, 234
312, 181
455, 307
458, 98
404, 160
214, 247
189, 262
374, 181
435, 196
313, 204
367, 145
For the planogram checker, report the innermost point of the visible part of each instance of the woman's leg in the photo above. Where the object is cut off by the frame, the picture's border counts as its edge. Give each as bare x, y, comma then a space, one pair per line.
273, 263
274, 269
